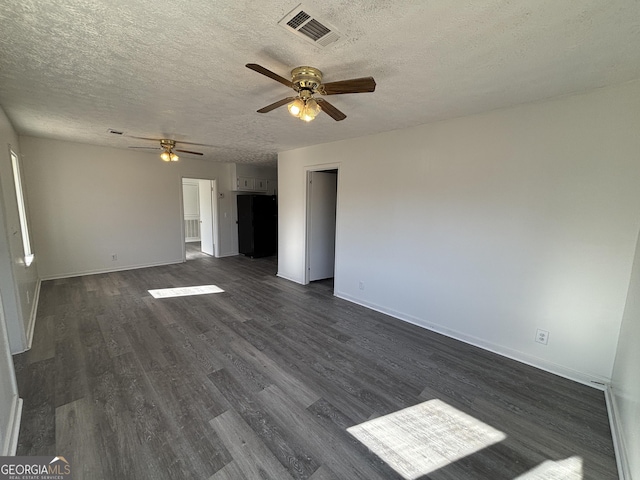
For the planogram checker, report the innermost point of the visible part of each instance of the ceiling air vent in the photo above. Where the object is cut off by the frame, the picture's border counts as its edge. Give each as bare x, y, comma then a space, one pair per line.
306, 25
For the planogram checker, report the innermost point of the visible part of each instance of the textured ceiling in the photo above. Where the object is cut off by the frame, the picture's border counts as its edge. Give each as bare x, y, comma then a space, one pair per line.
72, 69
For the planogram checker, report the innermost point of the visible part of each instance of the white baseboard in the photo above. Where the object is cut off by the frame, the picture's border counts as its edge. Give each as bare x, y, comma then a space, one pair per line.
109, 270
11, 438
619, 445
295, 280
581, 377
34, 313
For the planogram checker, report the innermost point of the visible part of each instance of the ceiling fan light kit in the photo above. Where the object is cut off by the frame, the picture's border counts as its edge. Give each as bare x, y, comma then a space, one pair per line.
307, 81
304, 106
167, 155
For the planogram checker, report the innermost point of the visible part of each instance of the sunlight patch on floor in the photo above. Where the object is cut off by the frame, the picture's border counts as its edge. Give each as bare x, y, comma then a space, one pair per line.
421, 439
568, 469
185, 291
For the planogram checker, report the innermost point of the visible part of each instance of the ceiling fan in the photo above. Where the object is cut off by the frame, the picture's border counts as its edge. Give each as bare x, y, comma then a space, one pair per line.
307, 81
168, 148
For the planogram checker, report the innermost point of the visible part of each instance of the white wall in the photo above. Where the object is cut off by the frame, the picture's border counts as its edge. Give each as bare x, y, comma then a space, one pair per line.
625, 385
10, 404
13, 283
19, 284
90, 202
490, 226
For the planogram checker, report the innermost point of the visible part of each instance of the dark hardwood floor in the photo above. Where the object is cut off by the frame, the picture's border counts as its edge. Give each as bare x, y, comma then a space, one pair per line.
262, 381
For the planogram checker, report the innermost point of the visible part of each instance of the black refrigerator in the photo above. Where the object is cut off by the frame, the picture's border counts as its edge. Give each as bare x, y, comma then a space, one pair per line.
257, 225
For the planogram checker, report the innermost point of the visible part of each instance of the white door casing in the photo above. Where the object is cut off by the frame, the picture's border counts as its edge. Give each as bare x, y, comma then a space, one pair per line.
206, 216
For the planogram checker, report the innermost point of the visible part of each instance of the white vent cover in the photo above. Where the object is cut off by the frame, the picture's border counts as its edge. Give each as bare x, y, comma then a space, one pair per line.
306, 25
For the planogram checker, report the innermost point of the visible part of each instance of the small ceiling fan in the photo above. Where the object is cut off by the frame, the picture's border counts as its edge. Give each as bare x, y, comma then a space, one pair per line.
168, 148
307, 81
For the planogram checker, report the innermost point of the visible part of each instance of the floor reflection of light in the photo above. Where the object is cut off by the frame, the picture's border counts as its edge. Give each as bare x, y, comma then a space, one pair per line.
423, 438
185, 291
568, 469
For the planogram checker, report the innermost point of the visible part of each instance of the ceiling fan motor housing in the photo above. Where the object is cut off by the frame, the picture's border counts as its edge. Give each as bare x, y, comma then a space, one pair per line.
306, 78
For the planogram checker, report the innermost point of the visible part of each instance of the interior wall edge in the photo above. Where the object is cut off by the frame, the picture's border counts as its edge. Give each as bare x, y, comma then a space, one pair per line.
595, 381
228, 254
11, 441
31, 326
18, 338
619, 445
291, 279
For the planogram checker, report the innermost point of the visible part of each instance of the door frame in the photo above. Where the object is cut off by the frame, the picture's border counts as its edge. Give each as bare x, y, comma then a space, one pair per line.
307, 219
214, 213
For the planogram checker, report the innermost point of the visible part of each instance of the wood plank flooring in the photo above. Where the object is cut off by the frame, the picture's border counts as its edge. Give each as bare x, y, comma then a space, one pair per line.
263, 380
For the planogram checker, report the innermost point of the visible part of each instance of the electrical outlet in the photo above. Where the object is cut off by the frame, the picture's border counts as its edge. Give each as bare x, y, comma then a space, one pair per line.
542, 336
361, 285
114, 257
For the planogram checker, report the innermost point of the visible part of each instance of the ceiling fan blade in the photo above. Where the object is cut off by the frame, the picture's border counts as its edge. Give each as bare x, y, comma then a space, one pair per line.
268, 73
165, 138
277, 104
144, 138
197, 144
355, 85
148, 148
188, 151
330, 110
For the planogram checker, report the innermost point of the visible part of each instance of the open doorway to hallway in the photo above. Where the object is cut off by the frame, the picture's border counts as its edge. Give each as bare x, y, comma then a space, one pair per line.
199, 205
322, 191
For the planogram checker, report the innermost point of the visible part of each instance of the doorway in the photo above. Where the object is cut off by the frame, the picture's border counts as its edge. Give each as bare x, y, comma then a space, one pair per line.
200, 212
322, 195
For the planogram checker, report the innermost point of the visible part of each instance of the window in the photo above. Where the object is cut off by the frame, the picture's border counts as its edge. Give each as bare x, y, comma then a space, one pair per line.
22, 213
